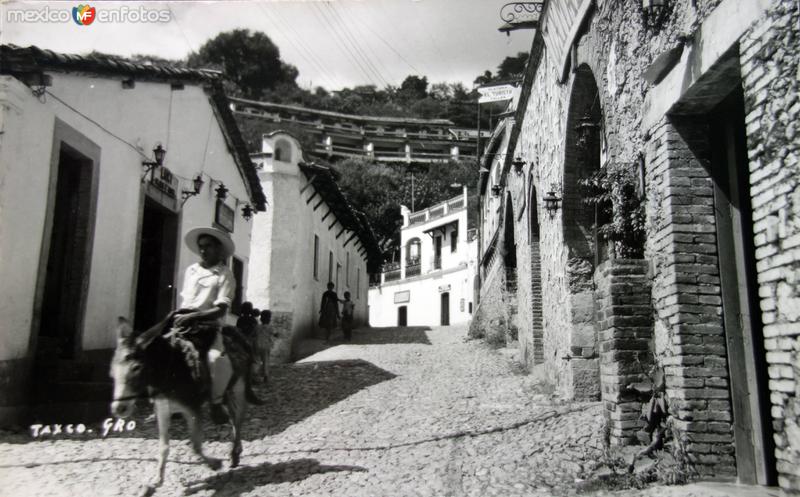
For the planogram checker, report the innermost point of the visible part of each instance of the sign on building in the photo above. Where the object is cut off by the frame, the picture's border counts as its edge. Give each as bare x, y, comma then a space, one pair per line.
496, 93
402, 297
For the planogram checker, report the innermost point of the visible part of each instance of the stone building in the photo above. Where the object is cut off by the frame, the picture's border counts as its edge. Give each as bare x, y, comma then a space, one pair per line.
432, 283
93, 219
310, 236
690, 111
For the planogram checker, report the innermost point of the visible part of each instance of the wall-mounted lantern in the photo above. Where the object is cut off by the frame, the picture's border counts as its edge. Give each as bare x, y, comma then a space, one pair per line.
654, 12
247, 212
222, 192
518, 164
158, 159
197, 184
496, 189
551, 200
586, 129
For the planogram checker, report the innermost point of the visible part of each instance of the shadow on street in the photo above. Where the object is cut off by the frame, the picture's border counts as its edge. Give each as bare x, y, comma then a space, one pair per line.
244, 479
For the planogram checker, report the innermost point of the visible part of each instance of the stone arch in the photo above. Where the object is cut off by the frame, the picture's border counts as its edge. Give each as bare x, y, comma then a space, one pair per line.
580, 162
283, 151
579, 222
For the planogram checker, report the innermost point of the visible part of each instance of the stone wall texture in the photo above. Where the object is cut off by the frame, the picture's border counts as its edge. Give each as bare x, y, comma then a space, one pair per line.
685, 301
771, 79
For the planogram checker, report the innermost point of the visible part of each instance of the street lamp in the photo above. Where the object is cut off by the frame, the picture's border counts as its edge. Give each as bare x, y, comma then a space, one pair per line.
158, 155
551, 200
247, 212
197, 184
654, 12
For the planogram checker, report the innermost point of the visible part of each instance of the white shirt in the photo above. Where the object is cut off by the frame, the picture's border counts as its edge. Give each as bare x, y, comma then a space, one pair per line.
205, 288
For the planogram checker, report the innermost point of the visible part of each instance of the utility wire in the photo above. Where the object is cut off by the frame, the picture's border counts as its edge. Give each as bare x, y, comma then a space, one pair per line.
302, 48
322, 16
389, 45
355, 43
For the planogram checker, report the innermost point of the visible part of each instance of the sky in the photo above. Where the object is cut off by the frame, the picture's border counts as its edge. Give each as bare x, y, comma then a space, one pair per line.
334, 44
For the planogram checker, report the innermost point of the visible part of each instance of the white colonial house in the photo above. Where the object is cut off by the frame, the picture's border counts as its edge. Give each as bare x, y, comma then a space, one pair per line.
432, 284
105, 165
308, 237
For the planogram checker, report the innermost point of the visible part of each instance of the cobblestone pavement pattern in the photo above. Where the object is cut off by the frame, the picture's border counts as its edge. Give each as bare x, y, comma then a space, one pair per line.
397, 412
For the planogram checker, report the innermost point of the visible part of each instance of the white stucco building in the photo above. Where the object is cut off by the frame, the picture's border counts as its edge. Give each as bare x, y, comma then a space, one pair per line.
309, 236
87, 231
432, 285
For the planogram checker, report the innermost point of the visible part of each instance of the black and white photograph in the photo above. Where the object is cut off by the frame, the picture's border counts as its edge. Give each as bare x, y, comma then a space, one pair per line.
400, 248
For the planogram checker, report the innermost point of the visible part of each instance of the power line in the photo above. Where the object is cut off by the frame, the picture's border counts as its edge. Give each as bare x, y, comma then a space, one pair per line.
389, 45
355, 43
302, 48
343, 45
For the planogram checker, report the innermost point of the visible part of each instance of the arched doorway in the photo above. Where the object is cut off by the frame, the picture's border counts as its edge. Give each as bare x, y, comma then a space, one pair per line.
585, 249
510, 266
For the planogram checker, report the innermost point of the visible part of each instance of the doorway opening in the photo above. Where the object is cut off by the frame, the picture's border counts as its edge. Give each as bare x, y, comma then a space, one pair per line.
155, 291
755, 448
67, 265
445, 314
402, 316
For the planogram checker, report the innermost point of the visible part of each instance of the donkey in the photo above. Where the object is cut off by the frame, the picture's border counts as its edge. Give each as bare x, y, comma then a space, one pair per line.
147, 364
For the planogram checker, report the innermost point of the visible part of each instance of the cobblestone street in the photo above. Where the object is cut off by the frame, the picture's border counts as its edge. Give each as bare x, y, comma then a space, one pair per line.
397, 412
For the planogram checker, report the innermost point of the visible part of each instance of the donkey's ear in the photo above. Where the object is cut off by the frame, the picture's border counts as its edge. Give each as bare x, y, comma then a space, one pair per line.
143, 340
124, 329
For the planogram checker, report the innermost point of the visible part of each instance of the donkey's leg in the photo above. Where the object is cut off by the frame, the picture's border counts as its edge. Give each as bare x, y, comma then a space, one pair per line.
236, 408
163, 418
192, 417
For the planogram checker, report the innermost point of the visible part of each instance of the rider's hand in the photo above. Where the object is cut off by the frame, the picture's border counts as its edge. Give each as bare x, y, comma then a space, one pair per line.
184, 319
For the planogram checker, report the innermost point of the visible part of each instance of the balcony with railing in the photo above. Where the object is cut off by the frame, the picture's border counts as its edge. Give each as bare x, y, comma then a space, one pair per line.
439, 210
391, 271
413, 267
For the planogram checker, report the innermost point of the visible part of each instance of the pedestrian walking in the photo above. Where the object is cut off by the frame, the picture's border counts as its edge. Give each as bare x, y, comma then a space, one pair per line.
348, 309
329, 311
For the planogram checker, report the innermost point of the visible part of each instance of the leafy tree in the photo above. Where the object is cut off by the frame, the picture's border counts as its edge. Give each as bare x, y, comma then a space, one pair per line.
414, 88
513, 66
251, 61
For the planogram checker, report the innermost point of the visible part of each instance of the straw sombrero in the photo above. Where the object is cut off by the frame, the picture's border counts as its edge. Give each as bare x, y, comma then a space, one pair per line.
228, 247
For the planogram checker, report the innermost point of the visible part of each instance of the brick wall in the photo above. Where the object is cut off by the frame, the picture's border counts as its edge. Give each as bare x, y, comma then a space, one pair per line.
625, 320
771, 81
688, 334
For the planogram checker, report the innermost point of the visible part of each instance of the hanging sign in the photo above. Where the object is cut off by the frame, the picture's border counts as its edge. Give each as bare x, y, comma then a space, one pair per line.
496, 93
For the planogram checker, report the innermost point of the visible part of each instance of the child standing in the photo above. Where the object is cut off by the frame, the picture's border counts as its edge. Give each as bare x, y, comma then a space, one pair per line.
263, 344
347, 316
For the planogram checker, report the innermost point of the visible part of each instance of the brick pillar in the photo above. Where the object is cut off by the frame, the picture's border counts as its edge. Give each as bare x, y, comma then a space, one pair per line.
536, 301
625, 318
688, 332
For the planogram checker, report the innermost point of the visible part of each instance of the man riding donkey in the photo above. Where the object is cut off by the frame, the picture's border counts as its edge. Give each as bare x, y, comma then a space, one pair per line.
208, 291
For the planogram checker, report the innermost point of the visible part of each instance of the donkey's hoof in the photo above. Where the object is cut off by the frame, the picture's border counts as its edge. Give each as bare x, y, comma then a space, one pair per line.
214, 464
148, 490
234, 460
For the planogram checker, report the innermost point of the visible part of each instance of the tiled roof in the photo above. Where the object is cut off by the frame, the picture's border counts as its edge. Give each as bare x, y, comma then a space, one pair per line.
32, 58
16, 61
323, 179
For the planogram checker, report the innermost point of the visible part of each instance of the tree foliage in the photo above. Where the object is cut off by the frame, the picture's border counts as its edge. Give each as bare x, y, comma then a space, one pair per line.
251, 61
